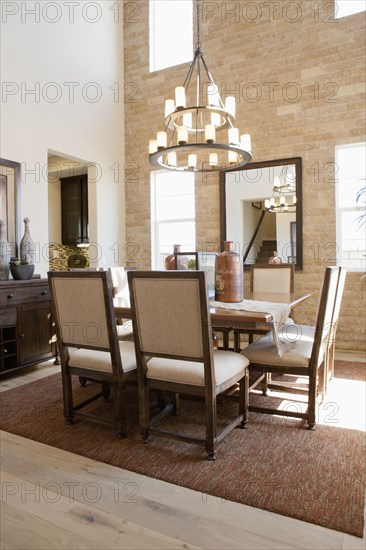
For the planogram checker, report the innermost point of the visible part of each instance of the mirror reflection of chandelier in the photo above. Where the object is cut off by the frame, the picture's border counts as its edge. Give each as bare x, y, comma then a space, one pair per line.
283, 198
190, 141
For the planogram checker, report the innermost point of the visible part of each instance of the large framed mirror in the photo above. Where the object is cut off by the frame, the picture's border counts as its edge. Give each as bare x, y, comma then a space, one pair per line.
10, 202
261, 211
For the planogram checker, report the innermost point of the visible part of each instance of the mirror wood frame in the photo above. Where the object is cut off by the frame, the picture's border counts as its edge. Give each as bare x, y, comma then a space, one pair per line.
16, 166
297, 161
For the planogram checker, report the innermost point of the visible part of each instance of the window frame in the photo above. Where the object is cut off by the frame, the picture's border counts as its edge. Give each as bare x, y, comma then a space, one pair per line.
341, 209
154, 66
156, 223
338, 10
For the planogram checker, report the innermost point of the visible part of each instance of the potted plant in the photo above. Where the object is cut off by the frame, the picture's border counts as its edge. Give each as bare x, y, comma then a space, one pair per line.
21, 270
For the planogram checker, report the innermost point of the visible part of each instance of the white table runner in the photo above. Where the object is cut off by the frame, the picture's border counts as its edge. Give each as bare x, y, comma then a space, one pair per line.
279, 312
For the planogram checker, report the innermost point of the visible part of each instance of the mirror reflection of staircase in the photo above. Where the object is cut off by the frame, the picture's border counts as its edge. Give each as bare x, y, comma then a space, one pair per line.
266, 251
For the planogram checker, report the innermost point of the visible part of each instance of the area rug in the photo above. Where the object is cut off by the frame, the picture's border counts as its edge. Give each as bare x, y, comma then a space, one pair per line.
276, 464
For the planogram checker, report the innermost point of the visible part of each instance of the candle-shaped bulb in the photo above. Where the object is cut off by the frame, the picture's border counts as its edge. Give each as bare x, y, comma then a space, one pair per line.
213, 159
213, 95
182, 135
276, 182
245, 142
169, 107
215, 119
161, 139
172, 159
294, 199
272, 201
267, 204
210, 133
187, 120
180, 97
153, 146
232, 157
282, 200
230, 105
192, 161
233, 135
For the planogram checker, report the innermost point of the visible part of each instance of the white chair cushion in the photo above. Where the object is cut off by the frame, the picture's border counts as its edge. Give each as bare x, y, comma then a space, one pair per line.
226, 365
296, 345
101, 360
125, 331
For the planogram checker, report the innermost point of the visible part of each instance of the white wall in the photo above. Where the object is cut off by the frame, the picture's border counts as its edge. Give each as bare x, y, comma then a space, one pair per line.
83, 120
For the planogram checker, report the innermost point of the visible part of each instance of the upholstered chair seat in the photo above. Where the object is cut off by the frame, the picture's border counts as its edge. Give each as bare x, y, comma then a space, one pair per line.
125, 331
296, 353
226, 365
101, 360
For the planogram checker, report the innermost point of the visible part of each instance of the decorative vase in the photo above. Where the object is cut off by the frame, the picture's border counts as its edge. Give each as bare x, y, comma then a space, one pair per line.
5, 254
275, 259
22, 272
228, 275
27, 247
170, 260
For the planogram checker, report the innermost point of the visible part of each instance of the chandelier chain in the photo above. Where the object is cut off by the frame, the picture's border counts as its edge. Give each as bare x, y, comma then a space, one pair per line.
198, 45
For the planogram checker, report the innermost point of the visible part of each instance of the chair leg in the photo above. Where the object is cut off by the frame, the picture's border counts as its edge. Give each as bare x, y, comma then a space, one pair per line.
176, 405
120, 412
244, 398
331, 362
322, 379
237, 346
225, 339
67, 396
312, 400
265, 383
106, 390
211, 428
144, 407
161, 400
250, 338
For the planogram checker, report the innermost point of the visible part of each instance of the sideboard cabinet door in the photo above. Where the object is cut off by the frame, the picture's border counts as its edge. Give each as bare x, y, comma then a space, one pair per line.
34, 332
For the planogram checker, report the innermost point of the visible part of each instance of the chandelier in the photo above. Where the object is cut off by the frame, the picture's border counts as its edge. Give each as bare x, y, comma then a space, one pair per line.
190, 141
283, 198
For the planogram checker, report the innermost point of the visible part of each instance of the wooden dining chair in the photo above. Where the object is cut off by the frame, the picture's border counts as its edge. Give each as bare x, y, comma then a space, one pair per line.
303, 354
82, 308
278, 278
120, 288
174, 352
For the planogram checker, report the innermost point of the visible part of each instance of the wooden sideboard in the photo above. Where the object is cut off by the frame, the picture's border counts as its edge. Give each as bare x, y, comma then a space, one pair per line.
26, 332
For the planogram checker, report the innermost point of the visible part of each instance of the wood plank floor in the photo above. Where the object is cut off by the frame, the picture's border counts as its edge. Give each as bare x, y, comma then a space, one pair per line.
55, 499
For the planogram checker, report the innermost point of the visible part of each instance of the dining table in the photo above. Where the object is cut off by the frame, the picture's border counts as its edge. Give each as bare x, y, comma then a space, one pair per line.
230, 318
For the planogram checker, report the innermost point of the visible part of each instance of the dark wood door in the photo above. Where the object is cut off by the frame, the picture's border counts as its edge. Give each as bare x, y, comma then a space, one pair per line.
34, 333
74, 209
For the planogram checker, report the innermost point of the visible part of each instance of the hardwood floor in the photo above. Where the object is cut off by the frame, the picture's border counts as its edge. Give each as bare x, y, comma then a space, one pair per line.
55, 499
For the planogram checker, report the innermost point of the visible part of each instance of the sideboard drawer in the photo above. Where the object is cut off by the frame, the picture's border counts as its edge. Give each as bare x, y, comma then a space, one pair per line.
8, 316
21, 295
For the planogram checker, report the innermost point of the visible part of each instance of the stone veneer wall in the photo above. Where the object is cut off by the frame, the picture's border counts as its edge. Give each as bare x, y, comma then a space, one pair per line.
299, 80
59, 255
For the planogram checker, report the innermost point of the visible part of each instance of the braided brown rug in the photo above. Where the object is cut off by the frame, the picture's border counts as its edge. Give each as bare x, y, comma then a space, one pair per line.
275, 464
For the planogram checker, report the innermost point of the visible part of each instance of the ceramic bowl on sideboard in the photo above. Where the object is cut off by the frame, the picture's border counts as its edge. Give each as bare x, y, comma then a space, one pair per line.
21, 272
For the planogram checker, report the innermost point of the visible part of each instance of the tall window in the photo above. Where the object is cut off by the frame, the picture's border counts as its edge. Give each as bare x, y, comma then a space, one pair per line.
171, 33
172, 214
351, 213
348, 7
